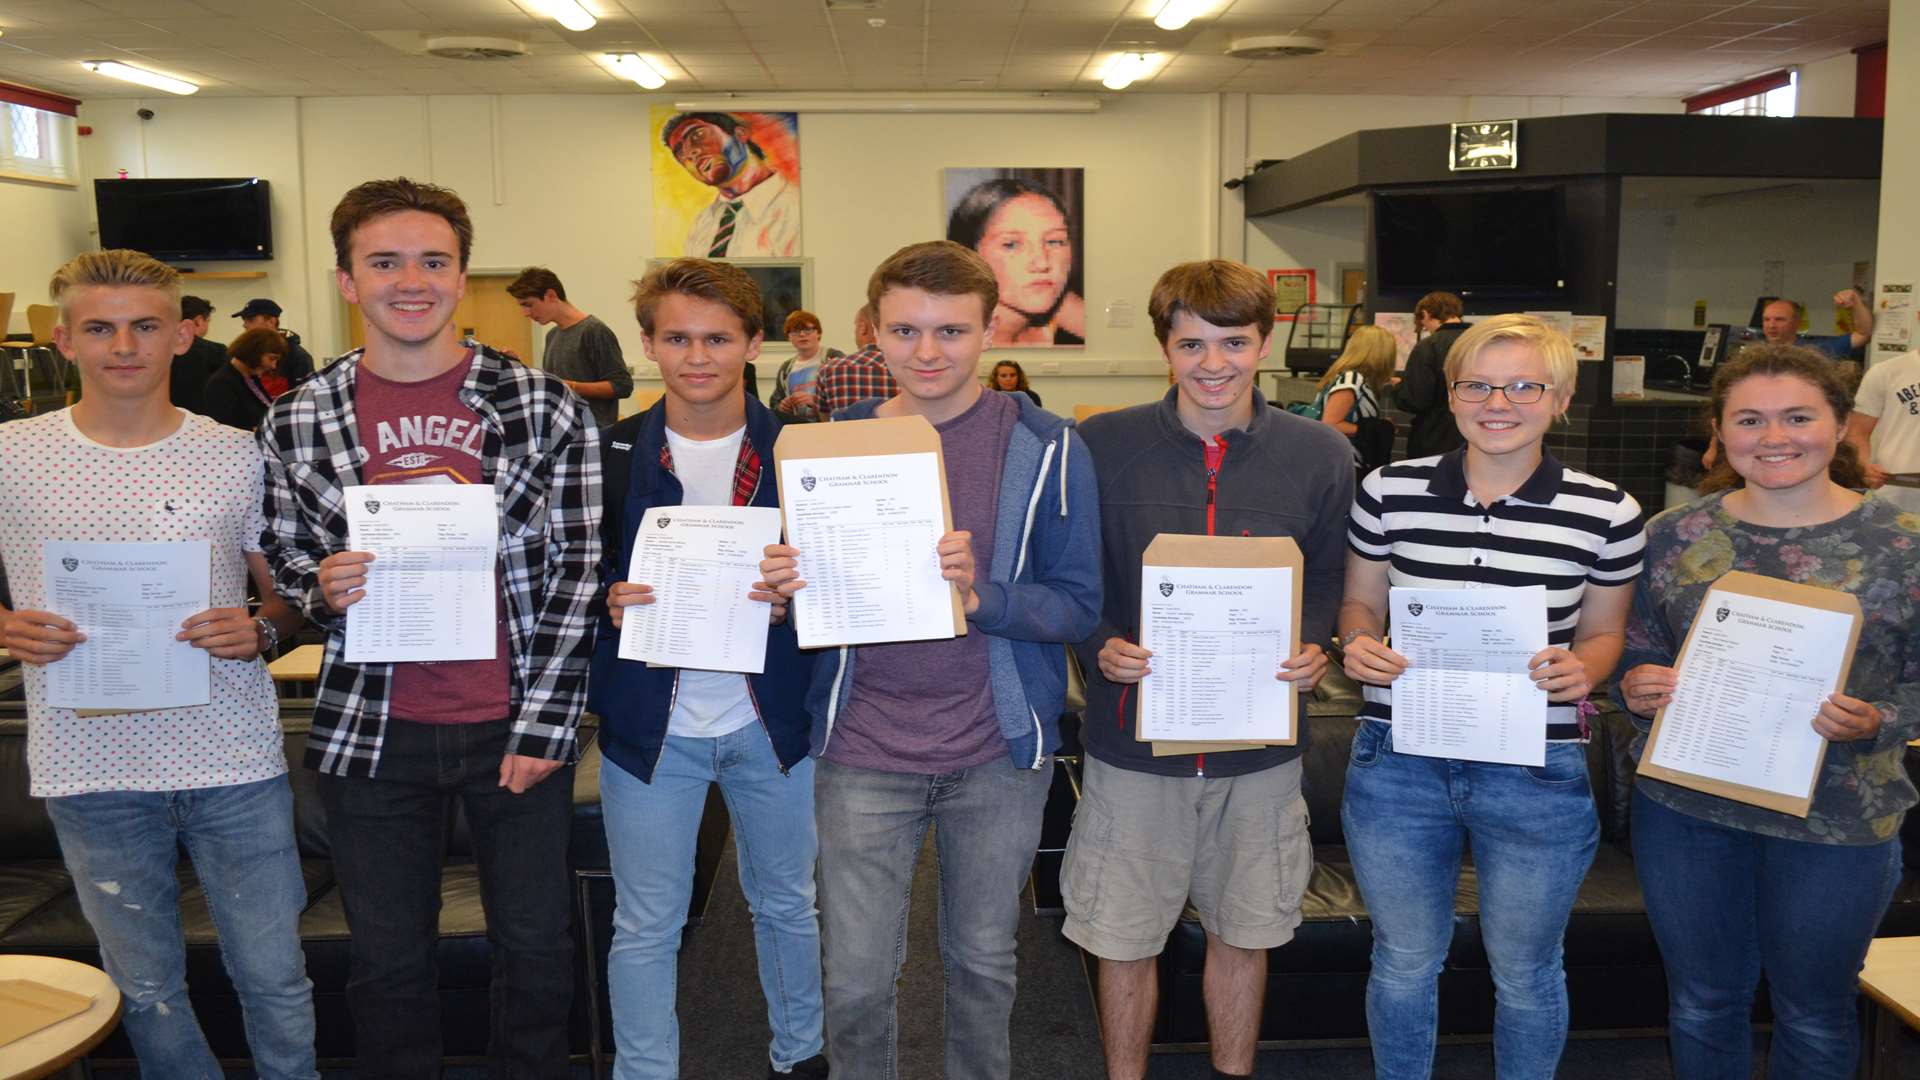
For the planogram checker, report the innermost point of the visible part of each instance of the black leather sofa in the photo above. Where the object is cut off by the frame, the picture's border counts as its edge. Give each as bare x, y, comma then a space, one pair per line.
1316, 984
40, 914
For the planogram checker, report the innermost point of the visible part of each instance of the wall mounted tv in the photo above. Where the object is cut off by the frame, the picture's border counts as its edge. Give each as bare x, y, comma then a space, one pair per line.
1485, 241
181, 220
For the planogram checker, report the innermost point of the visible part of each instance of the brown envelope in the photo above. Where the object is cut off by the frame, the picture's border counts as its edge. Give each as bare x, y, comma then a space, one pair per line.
868, 438
1176, 549
1785, 592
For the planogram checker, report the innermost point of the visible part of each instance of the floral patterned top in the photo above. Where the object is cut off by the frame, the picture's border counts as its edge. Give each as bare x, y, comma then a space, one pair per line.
1873, 553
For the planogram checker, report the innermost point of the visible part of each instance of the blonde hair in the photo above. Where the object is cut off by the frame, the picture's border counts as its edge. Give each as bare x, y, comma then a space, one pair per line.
1371, 351
115, 267
1553, 347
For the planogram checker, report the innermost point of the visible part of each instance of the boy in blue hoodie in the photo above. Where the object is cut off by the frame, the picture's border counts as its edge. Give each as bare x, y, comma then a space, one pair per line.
668, 733
958, 733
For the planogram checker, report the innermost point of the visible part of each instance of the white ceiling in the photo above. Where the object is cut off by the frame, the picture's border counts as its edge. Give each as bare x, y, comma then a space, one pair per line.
1606, 48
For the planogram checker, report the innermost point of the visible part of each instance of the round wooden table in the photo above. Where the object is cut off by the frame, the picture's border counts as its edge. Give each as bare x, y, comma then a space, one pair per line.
54, 1047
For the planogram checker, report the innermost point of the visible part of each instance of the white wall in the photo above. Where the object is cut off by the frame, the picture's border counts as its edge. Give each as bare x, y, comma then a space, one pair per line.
1899, 241
1826, 86
1674, 254
46, 225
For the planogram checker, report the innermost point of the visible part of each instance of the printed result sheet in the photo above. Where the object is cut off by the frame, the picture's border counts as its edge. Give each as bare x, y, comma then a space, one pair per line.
867, 529
1754, 676
1218, 637
129, 599
431, 592
701, 561
1466, 692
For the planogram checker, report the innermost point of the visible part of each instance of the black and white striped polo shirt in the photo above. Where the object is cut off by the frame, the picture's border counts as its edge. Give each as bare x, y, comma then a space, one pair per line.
1561, 529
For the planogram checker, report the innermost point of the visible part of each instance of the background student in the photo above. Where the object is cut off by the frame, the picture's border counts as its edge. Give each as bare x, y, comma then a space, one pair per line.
1498, 512
1734, 889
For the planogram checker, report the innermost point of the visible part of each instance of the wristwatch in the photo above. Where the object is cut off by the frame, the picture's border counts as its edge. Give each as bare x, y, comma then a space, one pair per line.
268, 631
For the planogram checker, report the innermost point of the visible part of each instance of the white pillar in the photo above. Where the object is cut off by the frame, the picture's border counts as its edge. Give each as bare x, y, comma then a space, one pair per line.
1898, 257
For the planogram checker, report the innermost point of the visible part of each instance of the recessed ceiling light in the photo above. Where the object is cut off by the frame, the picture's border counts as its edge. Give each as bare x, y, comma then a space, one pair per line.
1176, 14
128, 73
567, 13
639, 69
1123, 69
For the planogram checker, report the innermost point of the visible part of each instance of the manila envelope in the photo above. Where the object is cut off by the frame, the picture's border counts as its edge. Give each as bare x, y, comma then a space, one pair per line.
27, 1006
869, 438
1175, 549
1786, 592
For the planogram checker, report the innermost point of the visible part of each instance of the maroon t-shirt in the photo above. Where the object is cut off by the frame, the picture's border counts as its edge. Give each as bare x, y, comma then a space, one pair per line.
422, 433
927, 706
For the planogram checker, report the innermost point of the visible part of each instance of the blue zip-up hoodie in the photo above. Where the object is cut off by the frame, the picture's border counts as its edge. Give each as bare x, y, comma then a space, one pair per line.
632, 699
1043, 589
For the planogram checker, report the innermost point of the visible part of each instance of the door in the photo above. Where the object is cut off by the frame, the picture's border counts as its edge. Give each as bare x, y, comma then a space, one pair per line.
1353, 284
486, 312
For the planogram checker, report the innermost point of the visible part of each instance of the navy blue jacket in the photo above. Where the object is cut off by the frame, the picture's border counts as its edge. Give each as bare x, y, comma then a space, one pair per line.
631, 699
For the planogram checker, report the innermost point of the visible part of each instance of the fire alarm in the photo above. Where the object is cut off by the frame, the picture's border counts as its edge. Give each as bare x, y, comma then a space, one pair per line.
83, 130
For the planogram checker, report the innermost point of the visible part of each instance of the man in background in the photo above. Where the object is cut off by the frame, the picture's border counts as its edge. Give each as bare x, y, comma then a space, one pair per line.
755, 210
1885, 428
191, 369
1780, 322
846, 379
1423, 386
296, 364
581, 350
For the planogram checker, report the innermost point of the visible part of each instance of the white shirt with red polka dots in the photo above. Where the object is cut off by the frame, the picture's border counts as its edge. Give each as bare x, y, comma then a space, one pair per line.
203, 482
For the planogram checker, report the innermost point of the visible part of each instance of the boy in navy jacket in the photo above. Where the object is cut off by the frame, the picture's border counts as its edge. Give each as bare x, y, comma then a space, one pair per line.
668, 733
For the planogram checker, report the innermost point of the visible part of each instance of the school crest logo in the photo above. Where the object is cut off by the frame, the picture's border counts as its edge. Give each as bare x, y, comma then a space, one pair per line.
662, 521
807, 480
1415, 607
1721, 615
1166, 587
372, 505
70, 563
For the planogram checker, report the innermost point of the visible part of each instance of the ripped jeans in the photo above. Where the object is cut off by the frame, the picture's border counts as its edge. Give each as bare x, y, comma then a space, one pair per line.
121, 847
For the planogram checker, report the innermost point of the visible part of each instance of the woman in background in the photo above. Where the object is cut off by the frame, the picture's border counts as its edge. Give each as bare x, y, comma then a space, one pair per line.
1023, 233
1733, 889
1353, 387
236, 394
1010, 378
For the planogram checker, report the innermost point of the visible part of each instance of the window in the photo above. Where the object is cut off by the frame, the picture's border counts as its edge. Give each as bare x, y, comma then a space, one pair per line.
1775, 94
36, 144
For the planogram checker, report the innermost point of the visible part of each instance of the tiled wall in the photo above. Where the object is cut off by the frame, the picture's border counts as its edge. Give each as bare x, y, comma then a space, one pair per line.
1630, 444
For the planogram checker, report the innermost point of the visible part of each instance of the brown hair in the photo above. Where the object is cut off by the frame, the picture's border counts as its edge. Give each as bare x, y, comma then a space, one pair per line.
993, 377
1219, 291
799, 319
717, 282
535, 282
378, 198
940, 267
252, 347
1440, 305
114, 267
1833, 380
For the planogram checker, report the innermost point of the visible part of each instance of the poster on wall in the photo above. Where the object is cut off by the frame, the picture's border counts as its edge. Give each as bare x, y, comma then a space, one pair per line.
1405, 334
1292, 290
1028, 225
725, 185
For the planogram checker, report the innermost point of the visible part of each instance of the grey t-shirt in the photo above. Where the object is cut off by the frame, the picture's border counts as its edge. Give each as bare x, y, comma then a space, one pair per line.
587, 351
927, 706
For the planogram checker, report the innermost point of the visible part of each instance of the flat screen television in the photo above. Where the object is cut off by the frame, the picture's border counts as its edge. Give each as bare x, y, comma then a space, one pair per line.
1505, 241
182, 220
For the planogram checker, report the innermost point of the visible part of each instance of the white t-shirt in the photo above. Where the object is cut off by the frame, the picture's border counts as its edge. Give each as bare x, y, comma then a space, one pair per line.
1890, 393
203, 482
708, 704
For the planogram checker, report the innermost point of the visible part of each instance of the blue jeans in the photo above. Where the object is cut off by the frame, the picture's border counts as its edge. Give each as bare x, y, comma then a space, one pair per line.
388, 834
1533, 833
121, 847
986, 823
1726, 903
651, 830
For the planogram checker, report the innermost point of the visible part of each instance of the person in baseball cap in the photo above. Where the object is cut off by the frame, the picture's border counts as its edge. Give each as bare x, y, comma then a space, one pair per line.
297, 364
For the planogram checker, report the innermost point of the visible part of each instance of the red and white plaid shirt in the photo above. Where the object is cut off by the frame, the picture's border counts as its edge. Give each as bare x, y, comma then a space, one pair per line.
848, 379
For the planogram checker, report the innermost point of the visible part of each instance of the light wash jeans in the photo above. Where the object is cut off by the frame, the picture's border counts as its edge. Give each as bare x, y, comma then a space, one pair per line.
986, 826
121, 847
651, 830
1533, 833
1725, 903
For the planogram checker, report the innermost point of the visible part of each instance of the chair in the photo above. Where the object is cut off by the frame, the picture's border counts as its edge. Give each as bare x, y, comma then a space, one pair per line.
41, 372
6, 318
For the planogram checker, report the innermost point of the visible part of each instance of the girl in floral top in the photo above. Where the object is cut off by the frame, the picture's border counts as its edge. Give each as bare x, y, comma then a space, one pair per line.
1732, 888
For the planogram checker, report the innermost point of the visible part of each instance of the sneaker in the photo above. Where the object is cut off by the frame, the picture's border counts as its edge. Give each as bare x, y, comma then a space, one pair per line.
814, 1068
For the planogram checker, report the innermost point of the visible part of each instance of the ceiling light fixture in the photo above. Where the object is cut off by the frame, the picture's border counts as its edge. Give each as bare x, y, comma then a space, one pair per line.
639, 69
1176, 14
567, 13
114, 69
933, 102
1125, 68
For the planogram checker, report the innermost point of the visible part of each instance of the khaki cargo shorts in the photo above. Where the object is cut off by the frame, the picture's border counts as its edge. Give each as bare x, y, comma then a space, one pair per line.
1142, 845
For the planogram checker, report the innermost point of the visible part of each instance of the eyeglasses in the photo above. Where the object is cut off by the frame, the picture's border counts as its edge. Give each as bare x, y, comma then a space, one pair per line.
1517, 393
